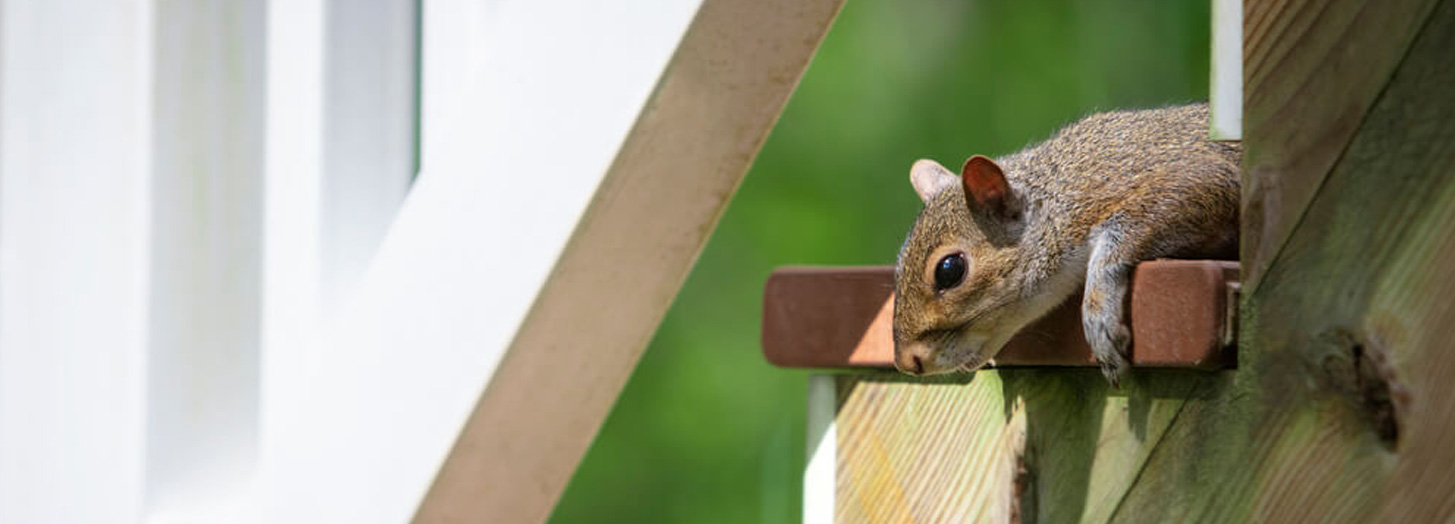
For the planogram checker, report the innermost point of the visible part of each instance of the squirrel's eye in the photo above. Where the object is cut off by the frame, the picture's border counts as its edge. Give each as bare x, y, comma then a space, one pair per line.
950, 271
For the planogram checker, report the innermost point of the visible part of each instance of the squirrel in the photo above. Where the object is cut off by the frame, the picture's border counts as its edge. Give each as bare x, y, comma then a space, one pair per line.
1008, 240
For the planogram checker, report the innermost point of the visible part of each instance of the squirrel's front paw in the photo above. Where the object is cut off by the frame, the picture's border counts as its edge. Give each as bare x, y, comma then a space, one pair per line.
1109, 340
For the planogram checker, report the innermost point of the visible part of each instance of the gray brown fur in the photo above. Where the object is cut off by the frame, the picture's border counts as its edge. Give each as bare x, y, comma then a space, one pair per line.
1085, 206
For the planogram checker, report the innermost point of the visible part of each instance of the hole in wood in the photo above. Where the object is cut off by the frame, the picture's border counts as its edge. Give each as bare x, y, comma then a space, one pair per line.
1359, 369
1373, 388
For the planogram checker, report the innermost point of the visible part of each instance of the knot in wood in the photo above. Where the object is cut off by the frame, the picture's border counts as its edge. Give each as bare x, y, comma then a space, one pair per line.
1358, 368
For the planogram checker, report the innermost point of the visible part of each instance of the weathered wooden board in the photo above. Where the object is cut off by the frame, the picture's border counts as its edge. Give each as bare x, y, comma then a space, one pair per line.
633, 247
1341, 413
1342, 409
1042, 445
1311, 71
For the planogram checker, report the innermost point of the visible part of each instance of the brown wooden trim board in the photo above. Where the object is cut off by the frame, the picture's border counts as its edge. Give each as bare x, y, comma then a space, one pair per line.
840, 318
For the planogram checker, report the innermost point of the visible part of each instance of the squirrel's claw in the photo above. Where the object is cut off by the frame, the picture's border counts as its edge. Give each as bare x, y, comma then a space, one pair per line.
1114, 371
1109, 340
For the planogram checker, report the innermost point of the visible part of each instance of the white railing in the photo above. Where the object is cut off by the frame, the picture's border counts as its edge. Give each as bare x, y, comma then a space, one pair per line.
220, 297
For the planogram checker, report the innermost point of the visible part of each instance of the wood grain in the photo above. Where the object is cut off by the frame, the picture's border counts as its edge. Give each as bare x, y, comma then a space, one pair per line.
957, 449
646, 224
1342, 409
1312, 69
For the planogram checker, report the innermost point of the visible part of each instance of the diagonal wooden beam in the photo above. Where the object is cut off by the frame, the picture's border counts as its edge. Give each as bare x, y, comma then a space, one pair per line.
678, 168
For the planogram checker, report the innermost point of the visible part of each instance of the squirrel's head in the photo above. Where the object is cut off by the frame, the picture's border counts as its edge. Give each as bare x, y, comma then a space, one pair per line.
956, 294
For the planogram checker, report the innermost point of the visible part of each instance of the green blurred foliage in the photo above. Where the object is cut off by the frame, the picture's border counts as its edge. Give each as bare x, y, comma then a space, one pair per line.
706, 431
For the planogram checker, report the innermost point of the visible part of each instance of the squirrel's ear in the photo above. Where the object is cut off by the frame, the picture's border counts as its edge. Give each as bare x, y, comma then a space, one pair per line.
985, 187
929, 178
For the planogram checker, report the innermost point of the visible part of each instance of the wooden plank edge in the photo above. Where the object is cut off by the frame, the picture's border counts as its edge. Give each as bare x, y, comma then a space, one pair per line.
826, 317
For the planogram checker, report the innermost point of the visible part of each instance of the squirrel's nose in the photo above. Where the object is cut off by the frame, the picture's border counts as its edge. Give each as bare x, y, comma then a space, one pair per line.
909, 362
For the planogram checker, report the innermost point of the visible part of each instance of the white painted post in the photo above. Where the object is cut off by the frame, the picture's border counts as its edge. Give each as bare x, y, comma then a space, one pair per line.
130, 251
292, 263
75, 188
820, 476
1226, 98
206, 257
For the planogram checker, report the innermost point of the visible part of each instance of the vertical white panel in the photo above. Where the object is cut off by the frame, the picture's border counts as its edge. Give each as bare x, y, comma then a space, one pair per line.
207, 191
341, 127
1226, 98
819, 477
75, 110
370, 126
292, 264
